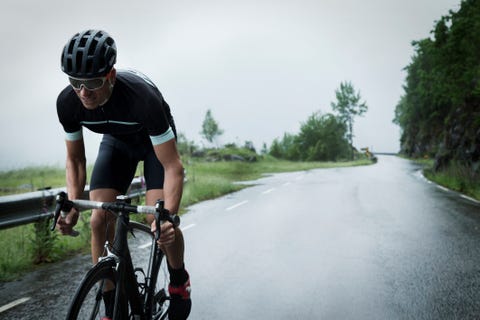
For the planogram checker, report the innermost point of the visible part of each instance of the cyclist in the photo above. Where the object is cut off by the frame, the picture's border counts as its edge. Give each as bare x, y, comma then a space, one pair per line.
137, 125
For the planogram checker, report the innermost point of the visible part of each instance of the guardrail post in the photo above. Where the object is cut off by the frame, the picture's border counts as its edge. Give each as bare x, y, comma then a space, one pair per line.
43, 241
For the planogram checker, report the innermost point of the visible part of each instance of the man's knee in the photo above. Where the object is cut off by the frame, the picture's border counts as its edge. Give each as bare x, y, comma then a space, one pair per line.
100, 220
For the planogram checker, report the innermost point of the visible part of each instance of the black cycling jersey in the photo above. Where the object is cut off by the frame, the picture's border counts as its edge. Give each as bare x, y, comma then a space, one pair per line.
134, 111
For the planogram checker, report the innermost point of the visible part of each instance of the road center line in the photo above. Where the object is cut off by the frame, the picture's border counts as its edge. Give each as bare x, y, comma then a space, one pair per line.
236, 205
13, 304
268, 191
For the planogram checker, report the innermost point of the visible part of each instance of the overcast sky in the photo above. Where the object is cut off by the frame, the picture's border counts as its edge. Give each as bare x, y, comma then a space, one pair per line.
261, 66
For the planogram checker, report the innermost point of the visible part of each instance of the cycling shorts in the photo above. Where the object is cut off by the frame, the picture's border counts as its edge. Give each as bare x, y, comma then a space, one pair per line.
117, 163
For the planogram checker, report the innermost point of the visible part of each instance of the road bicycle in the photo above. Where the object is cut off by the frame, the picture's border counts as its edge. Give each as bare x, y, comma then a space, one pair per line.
140, 284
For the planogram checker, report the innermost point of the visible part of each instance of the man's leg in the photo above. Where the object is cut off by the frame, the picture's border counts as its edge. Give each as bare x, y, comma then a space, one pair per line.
175, 252
111, 176
179, 287
102, 225
102, 222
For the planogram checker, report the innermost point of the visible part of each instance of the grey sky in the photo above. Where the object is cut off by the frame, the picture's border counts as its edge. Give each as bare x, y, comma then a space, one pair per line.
262, 67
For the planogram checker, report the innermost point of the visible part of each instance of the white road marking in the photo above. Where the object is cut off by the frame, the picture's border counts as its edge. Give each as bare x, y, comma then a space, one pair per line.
468, 198
268, 191
188, 227
442, 188
13, 304
236, 205
146, 245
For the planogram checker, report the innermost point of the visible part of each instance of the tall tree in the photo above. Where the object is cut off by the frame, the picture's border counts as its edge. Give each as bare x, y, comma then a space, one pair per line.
348, 106
439, 112
210, 128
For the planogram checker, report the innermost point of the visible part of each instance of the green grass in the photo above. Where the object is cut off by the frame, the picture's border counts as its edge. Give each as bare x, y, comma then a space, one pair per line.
455, 177
23, 248
31, 179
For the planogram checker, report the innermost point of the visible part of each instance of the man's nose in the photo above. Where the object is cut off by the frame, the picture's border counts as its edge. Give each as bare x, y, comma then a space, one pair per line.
84, 91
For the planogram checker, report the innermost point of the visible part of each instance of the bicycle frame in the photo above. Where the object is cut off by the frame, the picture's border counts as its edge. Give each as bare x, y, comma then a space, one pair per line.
127, 284
118, 258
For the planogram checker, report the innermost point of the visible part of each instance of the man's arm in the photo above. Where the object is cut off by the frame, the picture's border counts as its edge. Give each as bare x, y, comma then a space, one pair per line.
168, 155
76, 172
76, 176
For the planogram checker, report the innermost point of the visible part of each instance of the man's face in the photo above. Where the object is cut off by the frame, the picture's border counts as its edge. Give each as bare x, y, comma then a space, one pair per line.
93, 92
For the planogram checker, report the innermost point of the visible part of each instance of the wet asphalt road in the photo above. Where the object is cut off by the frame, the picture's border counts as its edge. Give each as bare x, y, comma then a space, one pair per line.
374, 242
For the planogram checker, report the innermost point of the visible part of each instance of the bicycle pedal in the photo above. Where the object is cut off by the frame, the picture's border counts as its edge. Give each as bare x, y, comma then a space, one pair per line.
161, 297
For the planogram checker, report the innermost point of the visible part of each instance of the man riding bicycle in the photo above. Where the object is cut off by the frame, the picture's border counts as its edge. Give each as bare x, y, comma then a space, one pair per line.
137, 125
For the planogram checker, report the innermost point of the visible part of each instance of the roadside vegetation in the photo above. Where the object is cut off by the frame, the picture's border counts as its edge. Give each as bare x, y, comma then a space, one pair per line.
455, 177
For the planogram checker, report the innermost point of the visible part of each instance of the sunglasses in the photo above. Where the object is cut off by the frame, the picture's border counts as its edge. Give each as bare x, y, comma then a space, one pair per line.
89, 84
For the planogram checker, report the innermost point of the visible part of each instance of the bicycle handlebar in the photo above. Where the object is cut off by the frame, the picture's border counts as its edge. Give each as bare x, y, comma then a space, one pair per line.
161, 214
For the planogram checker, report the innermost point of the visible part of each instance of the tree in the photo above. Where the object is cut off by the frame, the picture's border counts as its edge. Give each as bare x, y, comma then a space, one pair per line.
322, 138
348, 106
264, 150
210, 128
184, 146
286, 148
439, 112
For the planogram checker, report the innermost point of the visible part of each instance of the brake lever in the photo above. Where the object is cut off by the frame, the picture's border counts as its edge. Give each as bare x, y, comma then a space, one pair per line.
162, 214
60, 201
62, 207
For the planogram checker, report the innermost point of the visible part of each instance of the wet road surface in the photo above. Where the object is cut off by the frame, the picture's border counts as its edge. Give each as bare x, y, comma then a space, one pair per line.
374, 242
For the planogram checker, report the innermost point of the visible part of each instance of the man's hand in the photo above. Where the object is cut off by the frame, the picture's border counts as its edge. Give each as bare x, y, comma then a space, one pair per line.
65, 224
167, 233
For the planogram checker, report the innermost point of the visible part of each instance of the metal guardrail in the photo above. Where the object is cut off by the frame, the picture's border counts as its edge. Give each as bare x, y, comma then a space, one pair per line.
36, 206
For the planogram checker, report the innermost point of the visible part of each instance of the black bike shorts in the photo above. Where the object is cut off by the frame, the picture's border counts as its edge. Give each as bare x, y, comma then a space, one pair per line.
117, 163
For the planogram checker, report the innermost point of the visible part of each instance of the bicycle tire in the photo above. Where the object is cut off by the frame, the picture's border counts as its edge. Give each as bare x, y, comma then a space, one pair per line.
142, 242
88, 301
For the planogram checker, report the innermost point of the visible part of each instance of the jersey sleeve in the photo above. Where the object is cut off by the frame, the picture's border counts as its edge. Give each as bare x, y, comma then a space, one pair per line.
65, 107
158, 121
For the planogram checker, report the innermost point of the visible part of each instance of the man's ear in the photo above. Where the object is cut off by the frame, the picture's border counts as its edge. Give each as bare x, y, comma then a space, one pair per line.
112, 76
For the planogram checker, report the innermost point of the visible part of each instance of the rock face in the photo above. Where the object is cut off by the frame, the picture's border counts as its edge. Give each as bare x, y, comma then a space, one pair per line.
461, 142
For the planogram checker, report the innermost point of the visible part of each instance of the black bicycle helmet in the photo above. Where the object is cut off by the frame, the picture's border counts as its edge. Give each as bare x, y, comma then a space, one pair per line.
89, 54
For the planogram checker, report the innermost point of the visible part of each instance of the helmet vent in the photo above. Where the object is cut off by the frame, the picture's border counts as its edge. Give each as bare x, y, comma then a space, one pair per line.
92, 47
83, 41
78, 58
69, 64
89, 66
70, 47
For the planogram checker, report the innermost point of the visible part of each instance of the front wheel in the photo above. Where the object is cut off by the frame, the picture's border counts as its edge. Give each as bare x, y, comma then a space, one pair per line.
88, 302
